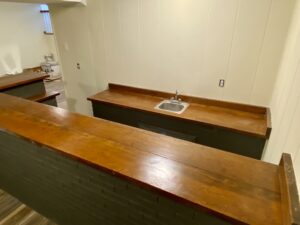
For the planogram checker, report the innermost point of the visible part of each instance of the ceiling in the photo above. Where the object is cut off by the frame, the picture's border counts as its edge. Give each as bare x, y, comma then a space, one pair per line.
47, 1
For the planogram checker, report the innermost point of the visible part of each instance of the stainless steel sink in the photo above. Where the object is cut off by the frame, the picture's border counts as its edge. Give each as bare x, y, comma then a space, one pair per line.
172, 106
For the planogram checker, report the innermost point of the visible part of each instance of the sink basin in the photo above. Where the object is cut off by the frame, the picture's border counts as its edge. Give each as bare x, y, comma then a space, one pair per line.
172, 106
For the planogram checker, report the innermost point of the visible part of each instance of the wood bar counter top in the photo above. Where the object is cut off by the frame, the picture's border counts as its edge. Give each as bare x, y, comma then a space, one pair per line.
26, 77
29, 85
239, 189
252, 120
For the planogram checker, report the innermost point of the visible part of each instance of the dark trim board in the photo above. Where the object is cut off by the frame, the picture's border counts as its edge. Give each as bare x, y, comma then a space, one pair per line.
71, 193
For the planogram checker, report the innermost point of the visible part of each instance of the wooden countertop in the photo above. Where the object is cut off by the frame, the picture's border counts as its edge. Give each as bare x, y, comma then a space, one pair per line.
237, 188
44, 96
27, 77
241, 118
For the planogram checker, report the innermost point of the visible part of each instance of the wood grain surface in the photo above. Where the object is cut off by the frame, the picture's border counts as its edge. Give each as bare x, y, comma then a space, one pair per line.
289, 196
241, 118
44, 97
234, 187
26, 77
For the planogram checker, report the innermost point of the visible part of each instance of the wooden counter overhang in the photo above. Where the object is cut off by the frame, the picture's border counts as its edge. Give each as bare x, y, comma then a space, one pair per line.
240, 189
247, 119
11, 81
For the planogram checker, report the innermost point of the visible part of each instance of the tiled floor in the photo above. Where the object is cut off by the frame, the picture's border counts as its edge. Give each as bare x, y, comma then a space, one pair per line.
13, 212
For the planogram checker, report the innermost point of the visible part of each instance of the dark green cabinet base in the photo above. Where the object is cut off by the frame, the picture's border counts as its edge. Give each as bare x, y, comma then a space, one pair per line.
211, 136
27, 90
51, 102
30, 90
71, 193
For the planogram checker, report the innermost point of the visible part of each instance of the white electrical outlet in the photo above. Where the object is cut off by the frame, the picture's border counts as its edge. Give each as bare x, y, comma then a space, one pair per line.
221, 83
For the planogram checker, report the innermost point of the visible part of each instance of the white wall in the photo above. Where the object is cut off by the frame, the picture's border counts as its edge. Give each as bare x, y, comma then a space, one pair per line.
174, 44
22, 41
285, 104
72, 31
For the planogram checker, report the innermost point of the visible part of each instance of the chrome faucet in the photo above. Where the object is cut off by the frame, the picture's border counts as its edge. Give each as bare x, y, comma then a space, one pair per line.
176, 97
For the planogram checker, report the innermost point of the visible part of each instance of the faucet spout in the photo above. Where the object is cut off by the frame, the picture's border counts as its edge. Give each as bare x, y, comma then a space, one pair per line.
176, 95
176, 98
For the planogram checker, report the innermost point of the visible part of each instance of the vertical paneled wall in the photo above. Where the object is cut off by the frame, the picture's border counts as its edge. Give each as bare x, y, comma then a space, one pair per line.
285, 105
175, 44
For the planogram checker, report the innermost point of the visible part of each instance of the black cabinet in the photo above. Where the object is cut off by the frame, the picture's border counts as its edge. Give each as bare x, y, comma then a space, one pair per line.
30, 86
208, 135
